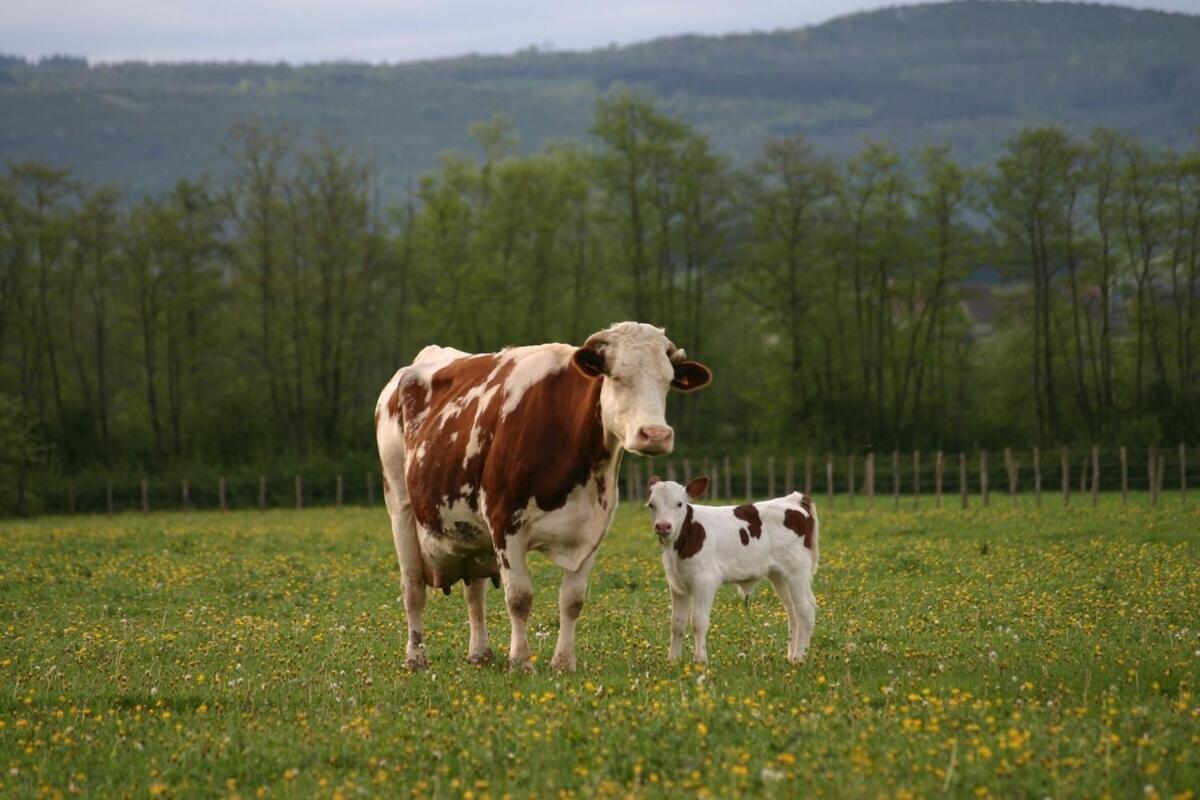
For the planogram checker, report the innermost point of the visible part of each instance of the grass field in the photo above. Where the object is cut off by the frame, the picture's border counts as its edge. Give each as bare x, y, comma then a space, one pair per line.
994, 651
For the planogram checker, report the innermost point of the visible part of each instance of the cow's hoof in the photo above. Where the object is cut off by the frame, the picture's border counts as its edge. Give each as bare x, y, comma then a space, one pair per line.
479, 659
416, 662
563, 663
524, 665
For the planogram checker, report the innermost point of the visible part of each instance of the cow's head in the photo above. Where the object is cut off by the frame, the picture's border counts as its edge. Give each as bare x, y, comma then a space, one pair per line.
638, 365
668, 504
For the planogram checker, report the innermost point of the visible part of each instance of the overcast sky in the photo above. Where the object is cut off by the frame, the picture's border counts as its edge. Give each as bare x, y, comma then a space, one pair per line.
386, 30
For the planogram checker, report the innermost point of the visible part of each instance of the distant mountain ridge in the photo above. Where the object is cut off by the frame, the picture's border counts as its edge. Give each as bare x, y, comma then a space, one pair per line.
965, 73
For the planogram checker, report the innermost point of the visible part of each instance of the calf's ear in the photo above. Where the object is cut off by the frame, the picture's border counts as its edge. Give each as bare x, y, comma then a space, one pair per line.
653, 480
690, 376
697, 487
588, 361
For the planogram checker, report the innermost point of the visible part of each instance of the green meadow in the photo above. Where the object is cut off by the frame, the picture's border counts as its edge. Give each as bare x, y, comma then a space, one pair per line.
1000, 651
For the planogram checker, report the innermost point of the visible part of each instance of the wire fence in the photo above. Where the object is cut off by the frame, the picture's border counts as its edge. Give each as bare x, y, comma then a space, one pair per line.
867, 480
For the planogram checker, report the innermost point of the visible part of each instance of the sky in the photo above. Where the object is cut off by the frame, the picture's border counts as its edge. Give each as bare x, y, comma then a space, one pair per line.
301, 31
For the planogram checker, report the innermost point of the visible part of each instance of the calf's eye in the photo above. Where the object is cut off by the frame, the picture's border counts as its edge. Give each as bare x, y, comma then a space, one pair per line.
679, 505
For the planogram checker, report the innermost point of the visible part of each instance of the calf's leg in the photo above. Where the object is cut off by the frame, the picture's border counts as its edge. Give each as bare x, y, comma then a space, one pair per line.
783, 589
702, 602
806, 612
480, 650
570, 605
681, 606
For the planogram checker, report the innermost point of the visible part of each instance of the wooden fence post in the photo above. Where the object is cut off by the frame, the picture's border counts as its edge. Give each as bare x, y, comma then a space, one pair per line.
728, 480
1010, 467
185, 498
1150, 476
1066, 477
262, 492
1182, 474
963, 488
145, 496
749, 480
939, 467
221, 492
869, 477
829, 478
338, 492
671, 475
916, 478
850, 471
770, 476
789, 475
983, 477
896, 480
108, 495
1162, 463
1037, 477
299, 485
1095, 476
370, 489
808, 484
687, 470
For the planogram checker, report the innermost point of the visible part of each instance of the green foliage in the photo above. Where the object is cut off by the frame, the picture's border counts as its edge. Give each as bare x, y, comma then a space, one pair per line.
991, 652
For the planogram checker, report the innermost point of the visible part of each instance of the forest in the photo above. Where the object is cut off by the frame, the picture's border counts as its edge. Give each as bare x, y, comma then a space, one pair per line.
890, 299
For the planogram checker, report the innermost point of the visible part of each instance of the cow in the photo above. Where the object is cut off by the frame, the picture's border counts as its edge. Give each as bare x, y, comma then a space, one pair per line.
705, 547
488, 457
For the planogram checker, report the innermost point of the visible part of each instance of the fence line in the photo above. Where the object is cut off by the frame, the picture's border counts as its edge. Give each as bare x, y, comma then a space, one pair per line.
845, 480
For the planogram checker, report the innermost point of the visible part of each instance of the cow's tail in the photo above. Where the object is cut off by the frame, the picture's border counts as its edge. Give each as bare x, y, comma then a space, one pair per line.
816, 536
806, 503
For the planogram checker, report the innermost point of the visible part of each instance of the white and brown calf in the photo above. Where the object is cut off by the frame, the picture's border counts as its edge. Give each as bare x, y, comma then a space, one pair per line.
705, 547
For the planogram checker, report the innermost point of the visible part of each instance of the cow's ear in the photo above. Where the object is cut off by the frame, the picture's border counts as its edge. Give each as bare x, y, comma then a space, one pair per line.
588, 361
653, 480
690, 376
697, 487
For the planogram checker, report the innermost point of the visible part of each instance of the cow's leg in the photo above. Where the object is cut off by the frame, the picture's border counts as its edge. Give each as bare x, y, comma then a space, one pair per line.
412, 576
784, 590
518, 595
703, 595
681, 606
806, 613
570, 605
480, 651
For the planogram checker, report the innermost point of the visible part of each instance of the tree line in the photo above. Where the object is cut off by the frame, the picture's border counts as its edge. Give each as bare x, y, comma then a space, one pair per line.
253, 318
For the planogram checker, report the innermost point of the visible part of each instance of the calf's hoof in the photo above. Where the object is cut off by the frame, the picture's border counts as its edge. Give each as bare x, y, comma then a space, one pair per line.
479, 659
520, 665
796, 659
416, 662
562, 663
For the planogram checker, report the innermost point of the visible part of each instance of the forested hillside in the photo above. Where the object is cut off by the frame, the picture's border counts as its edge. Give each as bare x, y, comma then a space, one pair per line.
967, 74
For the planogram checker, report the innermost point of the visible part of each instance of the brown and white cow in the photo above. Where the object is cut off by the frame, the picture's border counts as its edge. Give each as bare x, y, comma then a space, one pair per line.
489, 457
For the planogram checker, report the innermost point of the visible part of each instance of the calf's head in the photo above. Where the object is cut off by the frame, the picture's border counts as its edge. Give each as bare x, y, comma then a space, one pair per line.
668, 504
638, 365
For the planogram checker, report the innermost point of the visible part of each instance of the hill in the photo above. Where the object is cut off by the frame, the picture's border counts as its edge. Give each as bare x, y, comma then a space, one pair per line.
966, 73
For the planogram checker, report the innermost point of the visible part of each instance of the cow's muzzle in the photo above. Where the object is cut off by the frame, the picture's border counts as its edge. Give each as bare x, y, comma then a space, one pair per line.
654, 440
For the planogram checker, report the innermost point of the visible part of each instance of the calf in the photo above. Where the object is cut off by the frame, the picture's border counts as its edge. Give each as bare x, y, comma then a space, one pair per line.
704, 547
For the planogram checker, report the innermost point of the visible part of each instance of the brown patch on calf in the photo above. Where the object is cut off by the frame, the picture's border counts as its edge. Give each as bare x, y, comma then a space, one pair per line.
800, 524
748, 514
387, 488
691, 536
